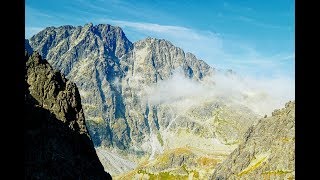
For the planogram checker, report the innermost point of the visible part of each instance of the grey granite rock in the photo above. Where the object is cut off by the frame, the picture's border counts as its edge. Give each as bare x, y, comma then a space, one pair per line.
268, 150
104, 63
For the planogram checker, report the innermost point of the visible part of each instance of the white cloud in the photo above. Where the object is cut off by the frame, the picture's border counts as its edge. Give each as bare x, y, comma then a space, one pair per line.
176, 88
261, 95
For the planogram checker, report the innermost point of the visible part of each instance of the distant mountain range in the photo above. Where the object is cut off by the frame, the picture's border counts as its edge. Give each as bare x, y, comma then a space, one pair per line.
145, 103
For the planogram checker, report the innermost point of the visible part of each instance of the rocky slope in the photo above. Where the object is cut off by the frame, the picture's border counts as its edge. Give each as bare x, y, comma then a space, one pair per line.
56, 142
116, 81
190, 147
268, 150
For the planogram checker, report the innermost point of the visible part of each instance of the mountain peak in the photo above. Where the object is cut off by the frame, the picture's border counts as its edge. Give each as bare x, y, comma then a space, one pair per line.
153, 40
161, 43
88, 41
88, 24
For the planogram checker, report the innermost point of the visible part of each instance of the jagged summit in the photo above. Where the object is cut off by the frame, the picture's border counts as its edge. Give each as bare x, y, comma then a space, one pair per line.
75, 39
154, 40
163, 42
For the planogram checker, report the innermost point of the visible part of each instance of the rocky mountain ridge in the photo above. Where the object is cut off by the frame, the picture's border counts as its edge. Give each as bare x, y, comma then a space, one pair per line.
115, 79
268, 150
56, 141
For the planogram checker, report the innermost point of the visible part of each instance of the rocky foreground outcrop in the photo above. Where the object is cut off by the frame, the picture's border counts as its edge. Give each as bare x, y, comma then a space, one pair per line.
56, 142
268, 150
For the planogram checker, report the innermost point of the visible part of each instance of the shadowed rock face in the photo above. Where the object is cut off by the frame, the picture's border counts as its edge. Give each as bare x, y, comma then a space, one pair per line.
268, 150
56, 142
27, 46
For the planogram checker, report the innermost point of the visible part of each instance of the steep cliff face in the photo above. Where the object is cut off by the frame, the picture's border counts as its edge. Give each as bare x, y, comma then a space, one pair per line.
93, 57
56, 141
89, 56
268, 150
156, 59
115, 80
192, 139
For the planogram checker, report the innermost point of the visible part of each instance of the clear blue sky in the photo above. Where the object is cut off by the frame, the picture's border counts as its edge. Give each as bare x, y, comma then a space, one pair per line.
251, 37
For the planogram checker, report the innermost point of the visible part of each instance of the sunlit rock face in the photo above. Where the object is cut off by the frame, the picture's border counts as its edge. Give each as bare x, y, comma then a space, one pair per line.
267, 151
146, 100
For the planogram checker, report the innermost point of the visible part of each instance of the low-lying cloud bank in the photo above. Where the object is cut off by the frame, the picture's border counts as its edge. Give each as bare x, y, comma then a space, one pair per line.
262, 95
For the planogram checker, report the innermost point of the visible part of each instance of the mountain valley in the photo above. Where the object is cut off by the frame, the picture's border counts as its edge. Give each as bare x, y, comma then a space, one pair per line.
155, 111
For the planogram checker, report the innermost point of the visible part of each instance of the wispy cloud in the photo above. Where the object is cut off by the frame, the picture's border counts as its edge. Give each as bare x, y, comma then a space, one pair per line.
259, 23
133, 9
204, 44
246, 14
209, 46
261, 95
30, 31
36, 18
36, 12
93, 6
